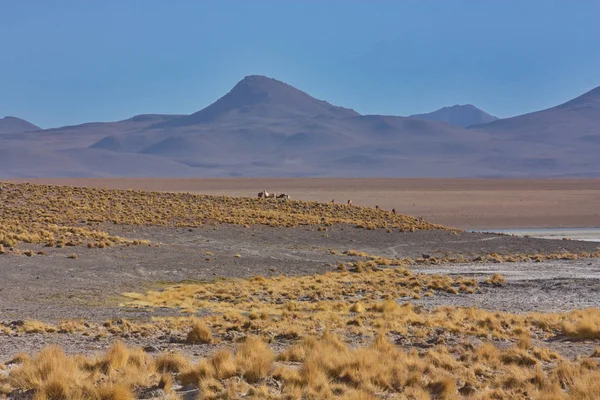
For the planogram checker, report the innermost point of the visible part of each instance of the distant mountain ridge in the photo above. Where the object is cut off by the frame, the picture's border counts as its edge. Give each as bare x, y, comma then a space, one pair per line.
16, 125
577, 120
265, 127
458, 115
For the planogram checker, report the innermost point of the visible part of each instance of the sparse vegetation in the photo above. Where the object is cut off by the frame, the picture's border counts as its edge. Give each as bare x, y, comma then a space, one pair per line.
496, 280
317, 367
484, 259
350, 304
59, 216
355, 333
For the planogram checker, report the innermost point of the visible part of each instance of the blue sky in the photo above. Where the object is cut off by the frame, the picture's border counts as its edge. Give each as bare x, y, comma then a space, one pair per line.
66, 62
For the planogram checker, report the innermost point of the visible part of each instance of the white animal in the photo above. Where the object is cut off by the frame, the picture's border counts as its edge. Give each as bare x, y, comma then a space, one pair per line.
266, 195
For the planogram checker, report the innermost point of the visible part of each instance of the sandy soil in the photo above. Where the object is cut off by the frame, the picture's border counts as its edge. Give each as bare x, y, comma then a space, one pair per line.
464, 203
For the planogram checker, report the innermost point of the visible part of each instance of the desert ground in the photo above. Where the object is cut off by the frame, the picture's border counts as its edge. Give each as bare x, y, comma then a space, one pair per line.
463, 203
119, 294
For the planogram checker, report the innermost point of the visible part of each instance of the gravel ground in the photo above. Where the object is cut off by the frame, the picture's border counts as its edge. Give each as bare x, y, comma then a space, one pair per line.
55, 287
551, 286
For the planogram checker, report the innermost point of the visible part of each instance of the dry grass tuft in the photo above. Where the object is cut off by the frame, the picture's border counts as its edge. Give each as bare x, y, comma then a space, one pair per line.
587, 327
496, 280
322, 367
172, 362
254, 359
199, 334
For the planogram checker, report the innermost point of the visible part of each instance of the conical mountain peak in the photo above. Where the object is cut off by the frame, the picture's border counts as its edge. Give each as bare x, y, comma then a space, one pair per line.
16, 125
461, 115
264, 97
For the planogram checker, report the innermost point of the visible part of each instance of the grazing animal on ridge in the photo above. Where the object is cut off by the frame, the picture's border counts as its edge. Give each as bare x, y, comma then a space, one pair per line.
349, 202
266, 195
283, 196
393, 211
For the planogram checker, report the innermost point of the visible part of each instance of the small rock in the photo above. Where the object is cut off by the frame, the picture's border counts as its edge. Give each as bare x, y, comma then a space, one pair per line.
151, 349
152, 393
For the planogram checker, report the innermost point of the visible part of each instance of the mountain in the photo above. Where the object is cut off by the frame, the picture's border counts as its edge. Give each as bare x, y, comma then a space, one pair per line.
16, 125
266, 128
458, 115
260, 97
576, 121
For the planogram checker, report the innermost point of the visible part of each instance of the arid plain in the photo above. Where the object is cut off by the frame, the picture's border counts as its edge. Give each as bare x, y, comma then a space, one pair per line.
178, 289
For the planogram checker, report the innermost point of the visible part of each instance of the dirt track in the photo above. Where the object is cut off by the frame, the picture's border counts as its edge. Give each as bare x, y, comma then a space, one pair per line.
463, 203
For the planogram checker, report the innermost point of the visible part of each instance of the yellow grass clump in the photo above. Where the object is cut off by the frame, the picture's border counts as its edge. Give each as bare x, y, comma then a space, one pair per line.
318, 367
199, 334
363, 282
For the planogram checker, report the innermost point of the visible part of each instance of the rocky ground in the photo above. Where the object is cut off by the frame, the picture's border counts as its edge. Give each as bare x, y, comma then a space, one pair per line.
54, 287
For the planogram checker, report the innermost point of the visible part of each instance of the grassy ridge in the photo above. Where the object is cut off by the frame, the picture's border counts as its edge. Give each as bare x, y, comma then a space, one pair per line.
63, 215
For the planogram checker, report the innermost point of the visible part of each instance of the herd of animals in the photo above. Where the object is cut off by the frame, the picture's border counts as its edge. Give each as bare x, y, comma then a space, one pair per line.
266, 195
282, 196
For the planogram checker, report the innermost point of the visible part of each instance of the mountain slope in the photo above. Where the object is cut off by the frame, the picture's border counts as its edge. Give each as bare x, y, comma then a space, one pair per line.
16, 125
260, 97
458, 115
575, 121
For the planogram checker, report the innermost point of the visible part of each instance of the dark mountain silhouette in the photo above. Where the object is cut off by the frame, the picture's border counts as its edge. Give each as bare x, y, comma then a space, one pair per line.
264, 127
16, 125
458, 115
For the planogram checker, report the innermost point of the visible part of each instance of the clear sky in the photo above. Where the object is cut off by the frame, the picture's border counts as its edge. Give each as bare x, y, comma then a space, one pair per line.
65, 62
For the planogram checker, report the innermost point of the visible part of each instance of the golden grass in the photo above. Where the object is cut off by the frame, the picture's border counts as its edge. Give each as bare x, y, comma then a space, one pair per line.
496, 280
363, 282
359, 304
359, 299
317, 367
199, 334
356, 302
465, 259
66, 216
403, 320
